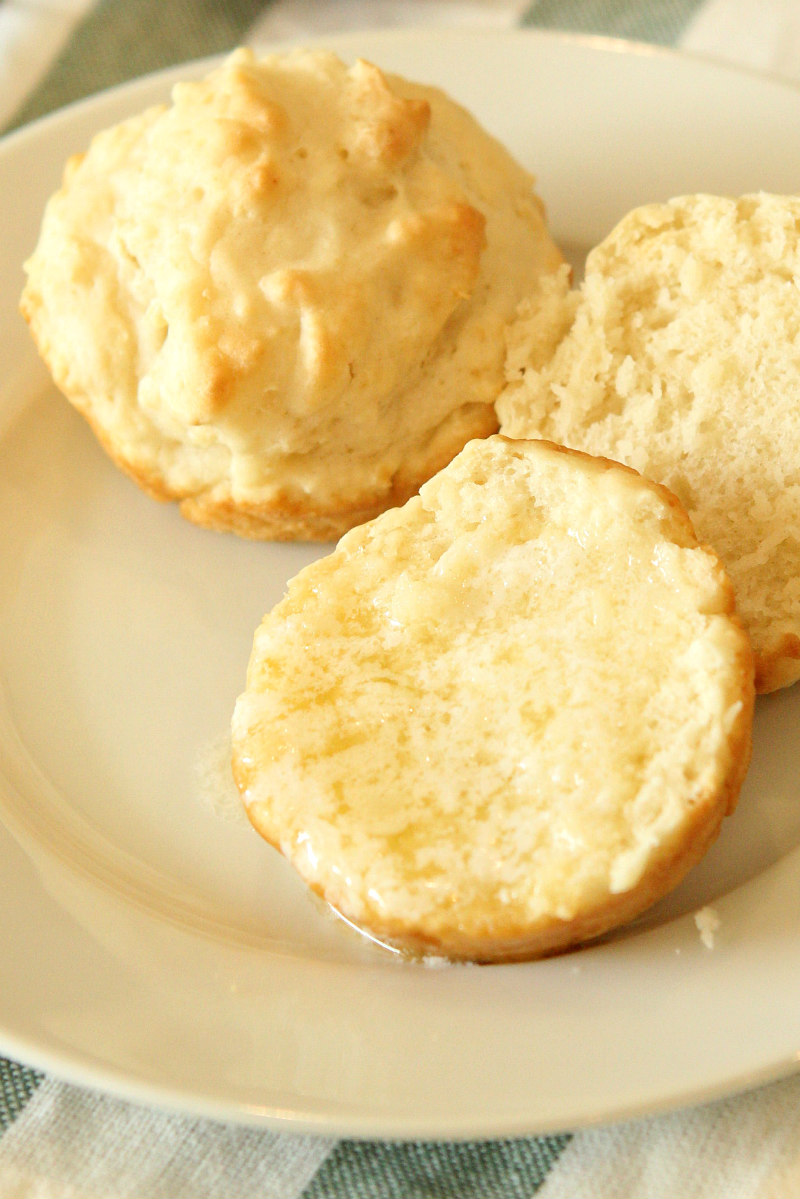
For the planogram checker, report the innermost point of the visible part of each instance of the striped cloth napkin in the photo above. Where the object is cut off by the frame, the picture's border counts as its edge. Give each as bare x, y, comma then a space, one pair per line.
59, 1141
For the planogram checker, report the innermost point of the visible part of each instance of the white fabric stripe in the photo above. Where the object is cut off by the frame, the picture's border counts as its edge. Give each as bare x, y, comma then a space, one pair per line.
73, 1144
743, 1148
756, 33
31, 35
288, 19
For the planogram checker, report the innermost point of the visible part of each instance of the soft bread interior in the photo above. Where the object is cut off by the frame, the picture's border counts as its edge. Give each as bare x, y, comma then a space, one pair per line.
505, 717
680, 355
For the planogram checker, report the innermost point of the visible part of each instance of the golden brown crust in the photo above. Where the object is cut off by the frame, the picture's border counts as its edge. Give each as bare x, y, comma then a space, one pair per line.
290, 518
306, 305
778, 666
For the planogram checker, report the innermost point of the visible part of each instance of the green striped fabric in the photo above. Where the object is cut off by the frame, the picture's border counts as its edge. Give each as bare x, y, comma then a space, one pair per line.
661, 21
436, 1170
17, 1084
121, 39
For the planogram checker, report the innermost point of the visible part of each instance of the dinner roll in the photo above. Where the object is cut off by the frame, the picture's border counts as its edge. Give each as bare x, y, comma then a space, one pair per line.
680, 355
506, 717
281, 299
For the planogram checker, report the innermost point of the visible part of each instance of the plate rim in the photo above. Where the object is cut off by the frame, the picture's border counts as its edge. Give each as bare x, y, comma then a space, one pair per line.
113, 1081
602, 43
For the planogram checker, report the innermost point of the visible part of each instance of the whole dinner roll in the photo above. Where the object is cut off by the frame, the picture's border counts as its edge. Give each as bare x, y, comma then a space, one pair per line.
281, 299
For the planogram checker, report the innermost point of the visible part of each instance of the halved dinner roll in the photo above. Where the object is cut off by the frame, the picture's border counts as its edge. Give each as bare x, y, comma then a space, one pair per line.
506, 717
281, 299
680, 355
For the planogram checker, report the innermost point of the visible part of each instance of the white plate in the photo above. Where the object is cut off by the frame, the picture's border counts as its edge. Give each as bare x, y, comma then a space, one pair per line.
153, 948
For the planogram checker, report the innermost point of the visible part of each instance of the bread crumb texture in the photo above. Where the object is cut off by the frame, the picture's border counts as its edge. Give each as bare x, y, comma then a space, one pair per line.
281, 298
680, 356
506, 717
707, 921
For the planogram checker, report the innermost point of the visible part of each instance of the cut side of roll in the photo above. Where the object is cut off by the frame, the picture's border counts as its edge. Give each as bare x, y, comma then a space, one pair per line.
505, 718
680, 356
